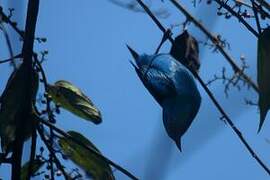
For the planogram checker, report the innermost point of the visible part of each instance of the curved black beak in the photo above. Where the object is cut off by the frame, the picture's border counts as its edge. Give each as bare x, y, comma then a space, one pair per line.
134, 54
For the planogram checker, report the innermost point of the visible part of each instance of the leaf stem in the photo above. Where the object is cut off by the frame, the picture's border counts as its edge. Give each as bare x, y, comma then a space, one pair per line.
238, 16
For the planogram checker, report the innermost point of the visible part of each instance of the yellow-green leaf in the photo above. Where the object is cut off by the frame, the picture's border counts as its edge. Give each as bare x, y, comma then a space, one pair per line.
89, 162
72, 99
263, 74
36, 165
12, 100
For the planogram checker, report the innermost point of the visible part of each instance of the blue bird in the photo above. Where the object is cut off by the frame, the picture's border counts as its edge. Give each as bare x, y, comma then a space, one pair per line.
173, 86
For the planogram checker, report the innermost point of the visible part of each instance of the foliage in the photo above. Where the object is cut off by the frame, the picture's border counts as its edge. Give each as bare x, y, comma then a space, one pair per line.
36, 165
71, 98
12, 99
93, 166
264, 74
21, 117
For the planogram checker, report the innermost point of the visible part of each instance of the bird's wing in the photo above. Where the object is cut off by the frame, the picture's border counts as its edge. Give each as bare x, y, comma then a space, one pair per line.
185, 82
157, 82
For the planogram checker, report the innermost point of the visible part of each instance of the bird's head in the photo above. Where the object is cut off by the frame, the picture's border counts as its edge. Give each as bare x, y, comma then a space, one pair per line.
140, 60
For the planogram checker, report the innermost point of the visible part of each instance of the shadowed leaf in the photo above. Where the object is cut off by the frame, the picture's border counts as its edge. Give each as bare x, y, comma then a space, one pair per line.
36, 165
263, 74
186, 50
12, 101
89, 162
72, 99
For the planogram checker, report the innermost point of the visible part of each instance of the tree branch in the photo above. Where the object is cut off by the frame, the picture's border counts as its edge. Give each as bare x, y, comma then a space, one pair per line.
59, 131
254, 8
264, 4
52, 154
4, 159
10, 59
27, 51
236, 68
239, 17
230, 60
11, 54
33, 150
218, 106
7, 20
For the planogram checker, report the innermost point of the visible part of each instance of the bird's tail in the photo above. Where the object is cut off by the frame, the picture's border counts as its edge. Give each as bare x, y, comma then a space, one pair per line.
172, 128
178, 144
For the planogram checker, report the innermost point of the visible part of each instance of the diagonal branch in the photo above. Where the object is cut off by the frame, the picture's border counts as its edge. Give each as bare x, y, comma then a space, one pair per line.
7, 20
223, 113
8, 42
234, 128
242, 3
10, 59
59, 131
231, 61
52, 153
264, 4
254, 8
238, 16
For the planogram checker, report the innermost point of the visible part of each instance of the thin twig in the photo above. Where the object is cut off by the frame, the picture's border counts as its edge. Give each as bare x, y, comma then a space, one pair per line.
235, 67
254, 8
51, 156
8, 42
238, 16
7, 20
242, 3
52, 153
48, 108
226, 117
234, 128
59, 131
264, 4
10, 59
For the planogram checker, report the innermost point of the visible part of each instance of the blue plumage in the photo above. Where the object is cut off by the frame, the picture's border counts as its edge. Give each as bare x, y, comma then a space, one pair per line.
173, 87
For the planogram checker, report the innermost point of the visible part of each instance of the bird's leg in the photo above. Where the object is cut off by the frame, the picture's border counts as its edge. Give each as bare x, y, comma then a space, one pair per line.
166, 36
223, 119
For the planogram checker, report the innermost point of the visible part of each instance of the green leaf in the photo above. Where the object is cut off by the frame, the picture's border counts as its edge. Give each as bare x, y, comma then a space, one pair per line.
12, 101
93, 165
263, 74
72, 99
36, 165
